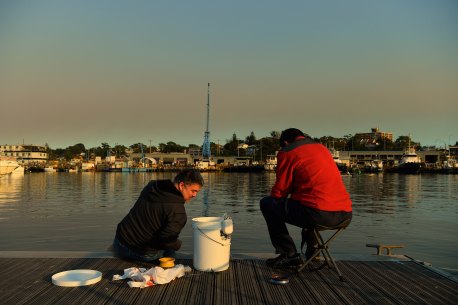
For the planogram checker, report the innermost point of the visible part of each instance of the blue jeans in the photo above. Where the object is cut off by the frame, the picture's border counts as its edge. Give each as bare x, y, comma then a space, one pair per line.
123, 251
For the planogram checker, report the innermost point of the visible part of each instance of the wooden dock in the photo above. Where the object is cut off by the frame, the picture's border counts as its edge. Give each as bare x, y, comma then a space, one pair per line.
27, 280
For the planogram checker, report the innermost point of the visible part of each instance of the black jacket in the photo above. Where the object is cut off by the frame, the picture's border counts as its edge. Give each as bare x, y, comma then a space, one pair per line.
156, 219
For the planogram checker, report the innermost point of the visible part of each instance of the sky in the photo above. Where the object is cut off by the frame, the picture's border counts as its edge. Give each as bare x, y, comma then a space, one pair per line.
124, 72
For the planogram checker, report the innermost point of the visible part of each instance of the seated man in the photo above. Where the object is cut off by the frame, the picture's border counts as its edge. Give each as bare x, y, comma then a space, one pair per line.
151, 228
308, 191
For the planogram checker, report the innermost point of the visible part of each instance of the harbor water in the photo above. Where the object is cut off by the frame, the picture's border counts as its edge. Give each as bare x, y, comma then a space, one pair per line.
80, 211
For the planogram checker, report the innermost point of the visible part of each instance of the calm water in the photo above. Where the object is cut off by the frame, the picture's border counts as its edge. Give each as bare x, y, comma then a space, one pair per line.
80, 211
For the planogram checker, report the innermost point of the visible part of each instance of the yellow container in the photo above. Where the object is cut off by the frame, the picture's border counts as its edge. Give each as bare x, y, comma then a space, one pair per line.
166, 262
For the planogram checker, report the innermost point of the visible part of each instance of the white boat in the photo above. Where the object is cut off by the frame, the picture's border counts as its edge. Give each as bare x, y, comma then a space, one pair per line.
8, 165
19, 171
343, 168
87, 166
373, 166
205, 165
410, 162
271, 163
50, 169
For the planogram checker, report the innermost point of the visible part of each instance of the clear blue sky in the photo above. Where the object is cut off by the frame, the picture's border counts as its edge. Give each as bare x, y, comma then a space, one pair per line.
133, 71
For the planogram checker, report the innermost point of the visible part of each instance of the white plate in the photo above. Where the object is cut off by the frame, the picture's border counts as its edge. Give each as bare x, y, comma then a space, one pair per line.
74, 278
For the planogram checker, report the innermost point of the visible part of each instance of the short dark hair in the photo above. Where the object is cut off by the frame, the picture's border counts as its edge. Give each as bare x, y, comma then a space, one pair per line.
189, 176
289, 135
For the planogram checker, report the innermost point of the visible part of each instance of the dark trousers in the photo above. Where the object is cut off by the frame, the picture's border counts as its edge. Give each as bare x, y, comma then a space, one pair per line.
123, 251
279, 212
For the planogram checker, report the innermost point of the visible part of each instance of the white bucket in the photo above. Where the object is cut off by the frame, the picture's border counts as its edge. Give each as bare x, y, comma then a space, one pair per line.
211, 248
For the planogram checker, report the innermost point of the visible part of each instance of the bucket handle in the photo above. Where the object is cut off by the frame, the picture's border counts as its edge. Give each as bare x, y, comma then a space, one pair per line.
210, 237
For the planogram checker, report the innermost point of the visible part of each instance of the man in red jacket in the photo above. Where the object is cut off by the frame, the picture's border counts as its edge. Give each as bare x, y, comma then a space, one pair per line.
308, 191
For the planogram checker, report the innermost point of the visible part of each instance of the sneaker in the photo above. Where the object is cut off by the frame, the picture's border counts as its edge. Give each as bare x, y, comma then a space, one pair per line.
283, 261
272, 261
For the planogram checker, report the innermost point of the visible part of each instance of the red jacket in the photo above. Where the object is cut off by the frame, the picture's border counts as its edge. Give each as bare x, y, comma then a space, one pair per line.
307, 171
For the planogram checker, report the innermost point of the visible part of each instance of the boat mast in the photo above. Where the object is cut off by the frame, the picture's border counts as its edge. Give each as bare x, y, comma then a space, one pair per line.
206, 145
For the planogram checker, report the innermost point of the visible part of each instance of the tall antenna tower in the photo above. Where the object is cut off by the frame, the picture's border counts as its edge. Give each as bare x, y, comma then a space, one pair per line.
206, 146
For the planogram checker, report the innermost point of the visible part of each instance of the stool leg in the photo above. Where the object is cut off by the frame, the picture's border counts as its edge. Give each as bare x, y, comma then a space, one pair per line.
327, 255
322, 247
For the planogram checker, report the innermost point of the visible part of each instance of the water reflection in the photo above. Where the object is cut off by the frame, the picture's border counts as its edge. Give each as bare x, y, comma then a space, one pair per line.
10, 193
385, 193
80, 211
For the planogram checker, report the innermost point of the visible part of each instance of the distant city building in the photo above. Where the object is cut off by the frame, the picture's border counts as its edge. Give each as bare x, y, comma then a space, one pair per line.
25, 154
373, 138
195, 153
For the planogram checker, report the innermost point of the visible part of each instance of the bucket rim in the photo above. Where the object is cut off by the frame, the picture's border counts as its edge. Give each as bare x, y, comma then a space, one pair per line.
204, 219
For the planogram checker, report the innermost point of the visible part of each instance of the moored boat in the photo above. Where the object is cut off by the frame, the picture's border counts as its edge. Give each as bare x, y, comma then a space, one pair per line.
8, 165
343, 168
410, 162
271, 163
373, 166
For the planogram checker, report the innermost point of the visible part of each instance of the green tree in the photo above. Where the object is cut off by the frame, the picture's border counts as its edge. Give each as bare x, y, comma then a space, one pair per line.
119, 150
171, 147
251, 139
230, 148
275, 134
403, 143
138, 147
102, 150
270, 146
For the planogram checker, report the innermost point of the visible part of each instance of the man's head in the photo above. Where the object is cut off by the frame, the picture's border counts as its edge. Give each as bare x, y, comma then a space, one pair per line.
290, 135
188, 182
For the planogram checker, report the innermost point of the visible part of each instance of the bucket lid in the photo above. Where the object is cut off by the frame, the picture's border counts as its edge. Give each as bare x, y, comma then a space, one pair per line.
74, 278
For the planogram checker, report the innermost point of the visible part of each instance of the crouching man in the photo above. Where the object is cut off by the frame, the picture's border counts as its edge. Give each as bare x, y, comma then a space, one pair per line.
151, 228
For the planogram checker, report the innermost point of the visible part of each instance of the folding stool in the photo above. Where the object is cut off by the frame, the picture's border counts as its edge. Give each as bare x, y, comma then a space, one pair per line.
323, 246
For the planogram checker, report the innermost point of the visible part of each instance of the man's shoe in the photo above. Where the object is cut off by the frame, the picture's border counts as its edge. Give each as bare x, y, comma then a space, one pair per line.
283, 261
272, 261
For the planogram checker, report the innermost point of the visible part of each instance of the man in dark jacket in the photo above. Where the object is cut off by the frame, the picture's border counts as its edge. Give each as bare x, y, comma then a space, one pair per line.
151, 228
308, 190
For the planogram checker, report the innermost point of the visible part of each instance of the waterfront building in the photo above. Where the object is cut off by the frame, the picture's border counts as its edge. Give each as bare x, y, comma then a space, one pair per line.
389, 157
26, 154
165, 159
373, 138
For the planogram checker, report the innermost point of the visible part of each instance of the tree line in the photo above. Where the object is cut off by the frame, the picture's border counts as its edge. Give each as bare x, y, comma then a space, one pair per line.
257, 148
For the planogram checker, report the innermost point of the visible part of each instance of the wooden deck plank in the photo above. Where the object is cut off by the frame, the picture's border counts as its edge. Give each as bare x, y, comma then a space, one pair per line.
341, 290
223, 289
122, 293
248, 289
27, 287
360, 282
419, 280
66, 295
348, 293
318, 288
377, 276
245, 282
402, 287
279, 294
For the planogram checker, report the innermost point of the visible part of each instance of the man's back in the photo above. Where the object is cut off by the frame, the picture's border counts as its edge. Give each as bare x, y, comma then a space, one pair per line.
307, 171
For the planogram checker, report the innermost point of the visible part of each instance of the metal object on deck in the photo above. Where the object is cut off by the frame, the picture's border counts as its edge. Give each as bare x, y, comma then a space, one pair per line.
279, 279
388, 248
